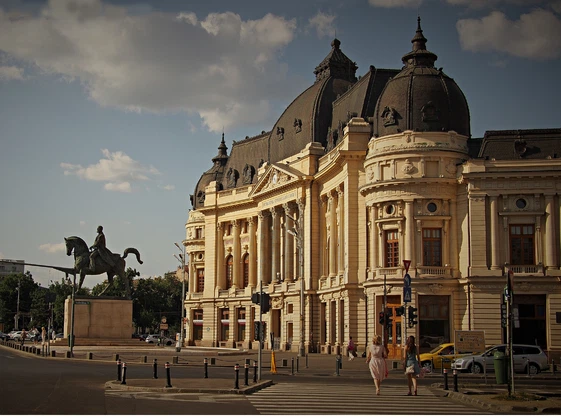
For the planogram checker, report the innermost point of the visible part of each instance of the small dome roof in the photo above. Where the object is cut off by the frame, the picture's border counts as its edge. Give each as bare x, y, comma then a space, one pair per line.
421, 97
215, 173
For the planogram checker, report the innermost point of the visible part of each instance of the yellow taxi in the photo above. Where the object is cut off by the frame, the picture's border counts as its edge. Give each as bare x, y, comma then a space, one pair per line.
433, 359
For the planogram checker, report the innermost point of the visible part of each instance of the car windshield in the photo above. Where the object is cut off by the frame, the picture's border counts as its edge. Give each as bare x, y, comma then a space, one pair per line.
435, 350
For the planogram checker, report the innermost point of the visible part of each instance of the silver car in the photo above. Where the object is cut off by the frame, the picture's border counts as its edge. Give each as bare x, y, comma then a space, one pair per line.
527, 359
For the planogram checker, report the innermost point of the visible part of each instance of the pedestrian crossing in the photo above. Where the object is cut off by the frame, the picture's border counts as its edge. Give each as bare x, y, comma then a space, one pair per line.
347, 399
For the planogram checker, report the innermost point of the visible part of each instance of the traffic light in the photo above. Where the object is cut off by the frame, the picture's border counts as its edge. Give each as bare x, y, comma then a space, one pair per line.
389, 314
412, 316
255, 298
381, 318
399, 311
265, 302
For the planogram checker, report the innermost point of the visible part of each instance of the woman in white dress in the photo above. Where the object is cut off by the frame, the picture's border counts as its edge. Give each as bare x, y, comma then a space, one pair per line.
376, 360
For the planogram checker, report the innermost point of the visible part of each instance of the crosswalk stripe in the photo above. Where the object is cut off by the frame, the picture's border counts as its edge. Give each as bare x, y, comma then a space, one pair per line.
301, 398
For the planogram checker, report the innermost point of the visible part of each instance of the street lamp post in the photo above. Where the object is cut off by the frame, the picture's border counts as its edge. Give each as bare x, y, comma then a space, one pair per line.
17, 310
181, 259
297, 233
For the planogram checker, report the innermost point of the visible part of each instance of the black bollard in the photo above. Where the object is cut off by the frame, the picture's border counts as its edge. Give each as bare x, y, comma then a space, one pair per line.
254, 372
206, 368
292, 367
445, 379
553, 366
155, 368
246, 376
306, 361
124, 381
455, 380
297, 364
119, 364
236, 381
168, 374
336, 366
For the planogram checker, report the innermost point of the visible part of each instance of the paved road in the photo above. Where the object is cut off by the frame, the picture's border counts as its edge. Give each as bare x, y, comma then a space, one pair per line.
320, 399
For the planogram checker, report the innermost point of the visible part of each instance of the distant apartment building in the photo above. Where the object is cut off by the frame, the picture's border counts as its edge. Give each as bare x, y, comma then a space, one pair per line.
8, 268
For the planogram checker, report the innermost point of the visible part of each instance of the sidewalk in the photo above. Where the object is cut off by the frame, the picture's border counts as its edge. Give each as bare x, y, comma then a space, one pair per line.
215, 385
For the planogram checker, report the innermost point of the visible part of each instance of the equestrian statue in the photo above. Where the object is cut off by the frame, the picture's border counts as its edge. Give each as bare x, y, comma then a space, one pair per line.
100, 260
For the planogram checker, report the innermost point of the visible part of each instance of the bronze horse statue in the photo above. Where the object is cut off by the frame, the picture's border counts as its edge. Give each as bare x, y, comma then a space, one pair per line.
82, 263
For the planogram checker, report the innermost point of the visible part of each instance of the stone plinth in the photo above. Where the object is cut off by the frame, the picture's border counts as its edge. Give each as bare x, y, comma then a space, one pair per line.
98, 317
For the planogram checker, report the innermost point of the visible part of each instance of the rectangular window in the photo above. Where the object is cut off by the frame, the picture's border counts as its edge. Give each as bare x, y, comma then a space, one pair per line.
199, 233
200, 280
432, 247
225, 325
241, 325
392, 249
198, 324
522, 244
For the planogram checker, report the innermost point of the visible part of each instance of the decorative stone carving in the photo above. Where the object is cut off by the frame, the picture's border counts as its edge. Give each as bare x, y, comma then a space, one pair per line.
232, 178
201, 197
297, 125
389, 115
408, 168
451, 167
435, 287
280, 133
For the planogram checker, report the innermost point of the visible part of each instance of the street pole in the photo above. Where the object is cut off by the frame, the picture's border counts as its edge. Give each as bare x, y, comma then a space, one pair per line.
72, 321
298, 235
17, 311
182, 337
384, 325
259, 355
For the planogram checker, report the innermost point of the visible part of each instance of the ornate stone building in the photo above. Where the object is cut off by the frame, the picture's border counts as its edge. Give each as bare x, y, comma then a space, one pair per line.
369, 172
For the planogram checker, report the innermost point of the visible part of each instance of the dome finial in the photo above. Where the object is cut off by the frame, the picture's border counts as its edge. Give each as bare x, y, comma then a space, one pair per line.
419, 41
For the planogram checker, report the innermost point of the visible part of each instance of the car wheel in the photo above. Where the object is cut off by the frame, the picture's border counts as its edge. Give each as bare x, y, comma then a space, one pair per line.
150, 342
534, 369
168, 343
476, 368
427, 365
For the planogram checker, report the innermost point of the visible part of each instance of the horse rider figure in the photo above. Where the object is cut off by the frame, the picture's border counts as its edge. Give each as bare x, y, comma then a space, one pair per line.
100, 250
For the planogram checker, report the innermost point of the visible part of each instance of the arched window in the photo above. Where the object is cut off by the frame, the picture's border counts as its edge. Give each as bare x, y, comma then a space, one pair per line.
245, 271
229, 272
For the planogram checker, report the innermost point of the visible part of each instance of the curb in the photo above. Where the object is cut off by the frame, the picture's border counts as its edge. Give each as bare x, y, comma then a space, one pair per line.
116, 385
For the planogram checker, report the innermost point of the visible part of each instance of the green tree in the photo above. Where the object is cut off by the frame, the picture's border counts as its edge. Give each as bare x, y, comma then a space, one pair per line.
39, 308
118, 287
9, 297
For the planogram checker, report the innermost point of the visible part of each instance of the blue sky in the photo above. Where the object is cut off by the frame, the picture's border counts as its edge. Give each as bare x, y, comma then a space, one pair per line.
111, 110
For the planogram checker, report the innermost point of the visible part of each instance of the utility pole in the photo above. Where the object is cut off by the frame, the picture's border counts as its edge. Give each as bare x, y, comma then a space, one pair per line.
181, 259
259, 355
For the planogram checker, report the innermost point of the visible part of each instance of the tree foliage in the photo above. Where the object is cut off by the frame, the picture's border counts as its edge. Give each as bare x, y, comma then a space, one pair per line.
9, 298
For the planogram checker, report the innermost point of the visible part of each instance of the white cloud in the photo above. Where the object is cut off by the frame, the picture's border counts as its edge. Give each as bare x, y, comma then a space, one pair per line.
323, 24
53, 248
124, 187
217, 66
11, 73
395, 3
489, 4
168, 187
536, 35
82, 223
117, 169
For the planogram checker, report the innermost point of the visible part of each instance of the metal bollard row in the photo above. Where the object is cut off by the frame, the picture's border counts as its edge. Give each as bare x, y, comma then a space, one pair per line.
206, 367
237, 371
124, 371
445, 373
254, 371
119, 365
455, 380
155, 366
246, 374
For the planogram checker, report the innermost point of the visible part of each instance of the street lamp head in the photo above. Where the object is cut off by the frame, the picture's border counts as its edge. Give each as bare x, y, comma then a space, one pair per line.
180, 248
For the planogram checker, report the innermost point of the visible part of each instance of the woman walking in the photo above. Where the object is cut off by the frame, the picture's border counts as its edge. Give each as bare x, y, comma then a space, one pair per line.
411, 364
377, 362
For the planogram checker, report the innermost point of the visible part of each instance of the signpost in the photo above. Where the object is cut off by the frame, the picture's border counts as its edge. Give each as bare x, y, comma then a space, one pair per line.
406, 299
469, 341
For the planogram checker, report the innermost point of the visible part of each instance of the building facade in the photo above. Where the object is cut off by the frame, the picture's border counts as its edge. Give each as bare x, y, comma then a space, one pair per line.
357, 175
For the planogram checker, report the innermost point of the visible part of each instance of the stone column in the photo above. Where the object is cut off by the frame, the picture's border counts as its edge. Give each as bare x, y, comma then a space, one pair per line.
236, 253
478, 225
220, 267
409, 252
191, 280
262, 261
495, 249
453, 237
340, 230
550, 252
324, 222
275, 250
288, 243
252, 254
332, 236
373, 239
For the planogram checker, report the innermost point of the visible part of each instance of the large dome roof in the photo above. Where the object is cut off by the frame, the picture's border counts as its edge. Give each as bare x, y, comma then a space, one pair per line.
421, 97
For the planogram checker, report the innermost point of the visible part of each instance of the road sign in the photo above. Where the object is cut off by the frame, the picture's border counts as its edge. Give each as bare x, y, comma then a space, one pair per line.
407, 280
406, 264
406, 294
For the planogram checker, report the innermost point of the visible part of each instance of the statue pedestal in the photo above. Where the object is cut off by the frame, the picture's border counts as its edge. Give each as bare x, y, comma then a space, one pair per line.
99, 317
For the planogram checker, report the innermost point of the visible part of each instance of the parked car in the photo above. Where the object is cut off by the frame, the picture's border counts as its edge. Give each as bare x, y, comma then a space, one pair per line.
153, 339
3, 336
142, 337
15, 335
527, 358
434, 358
